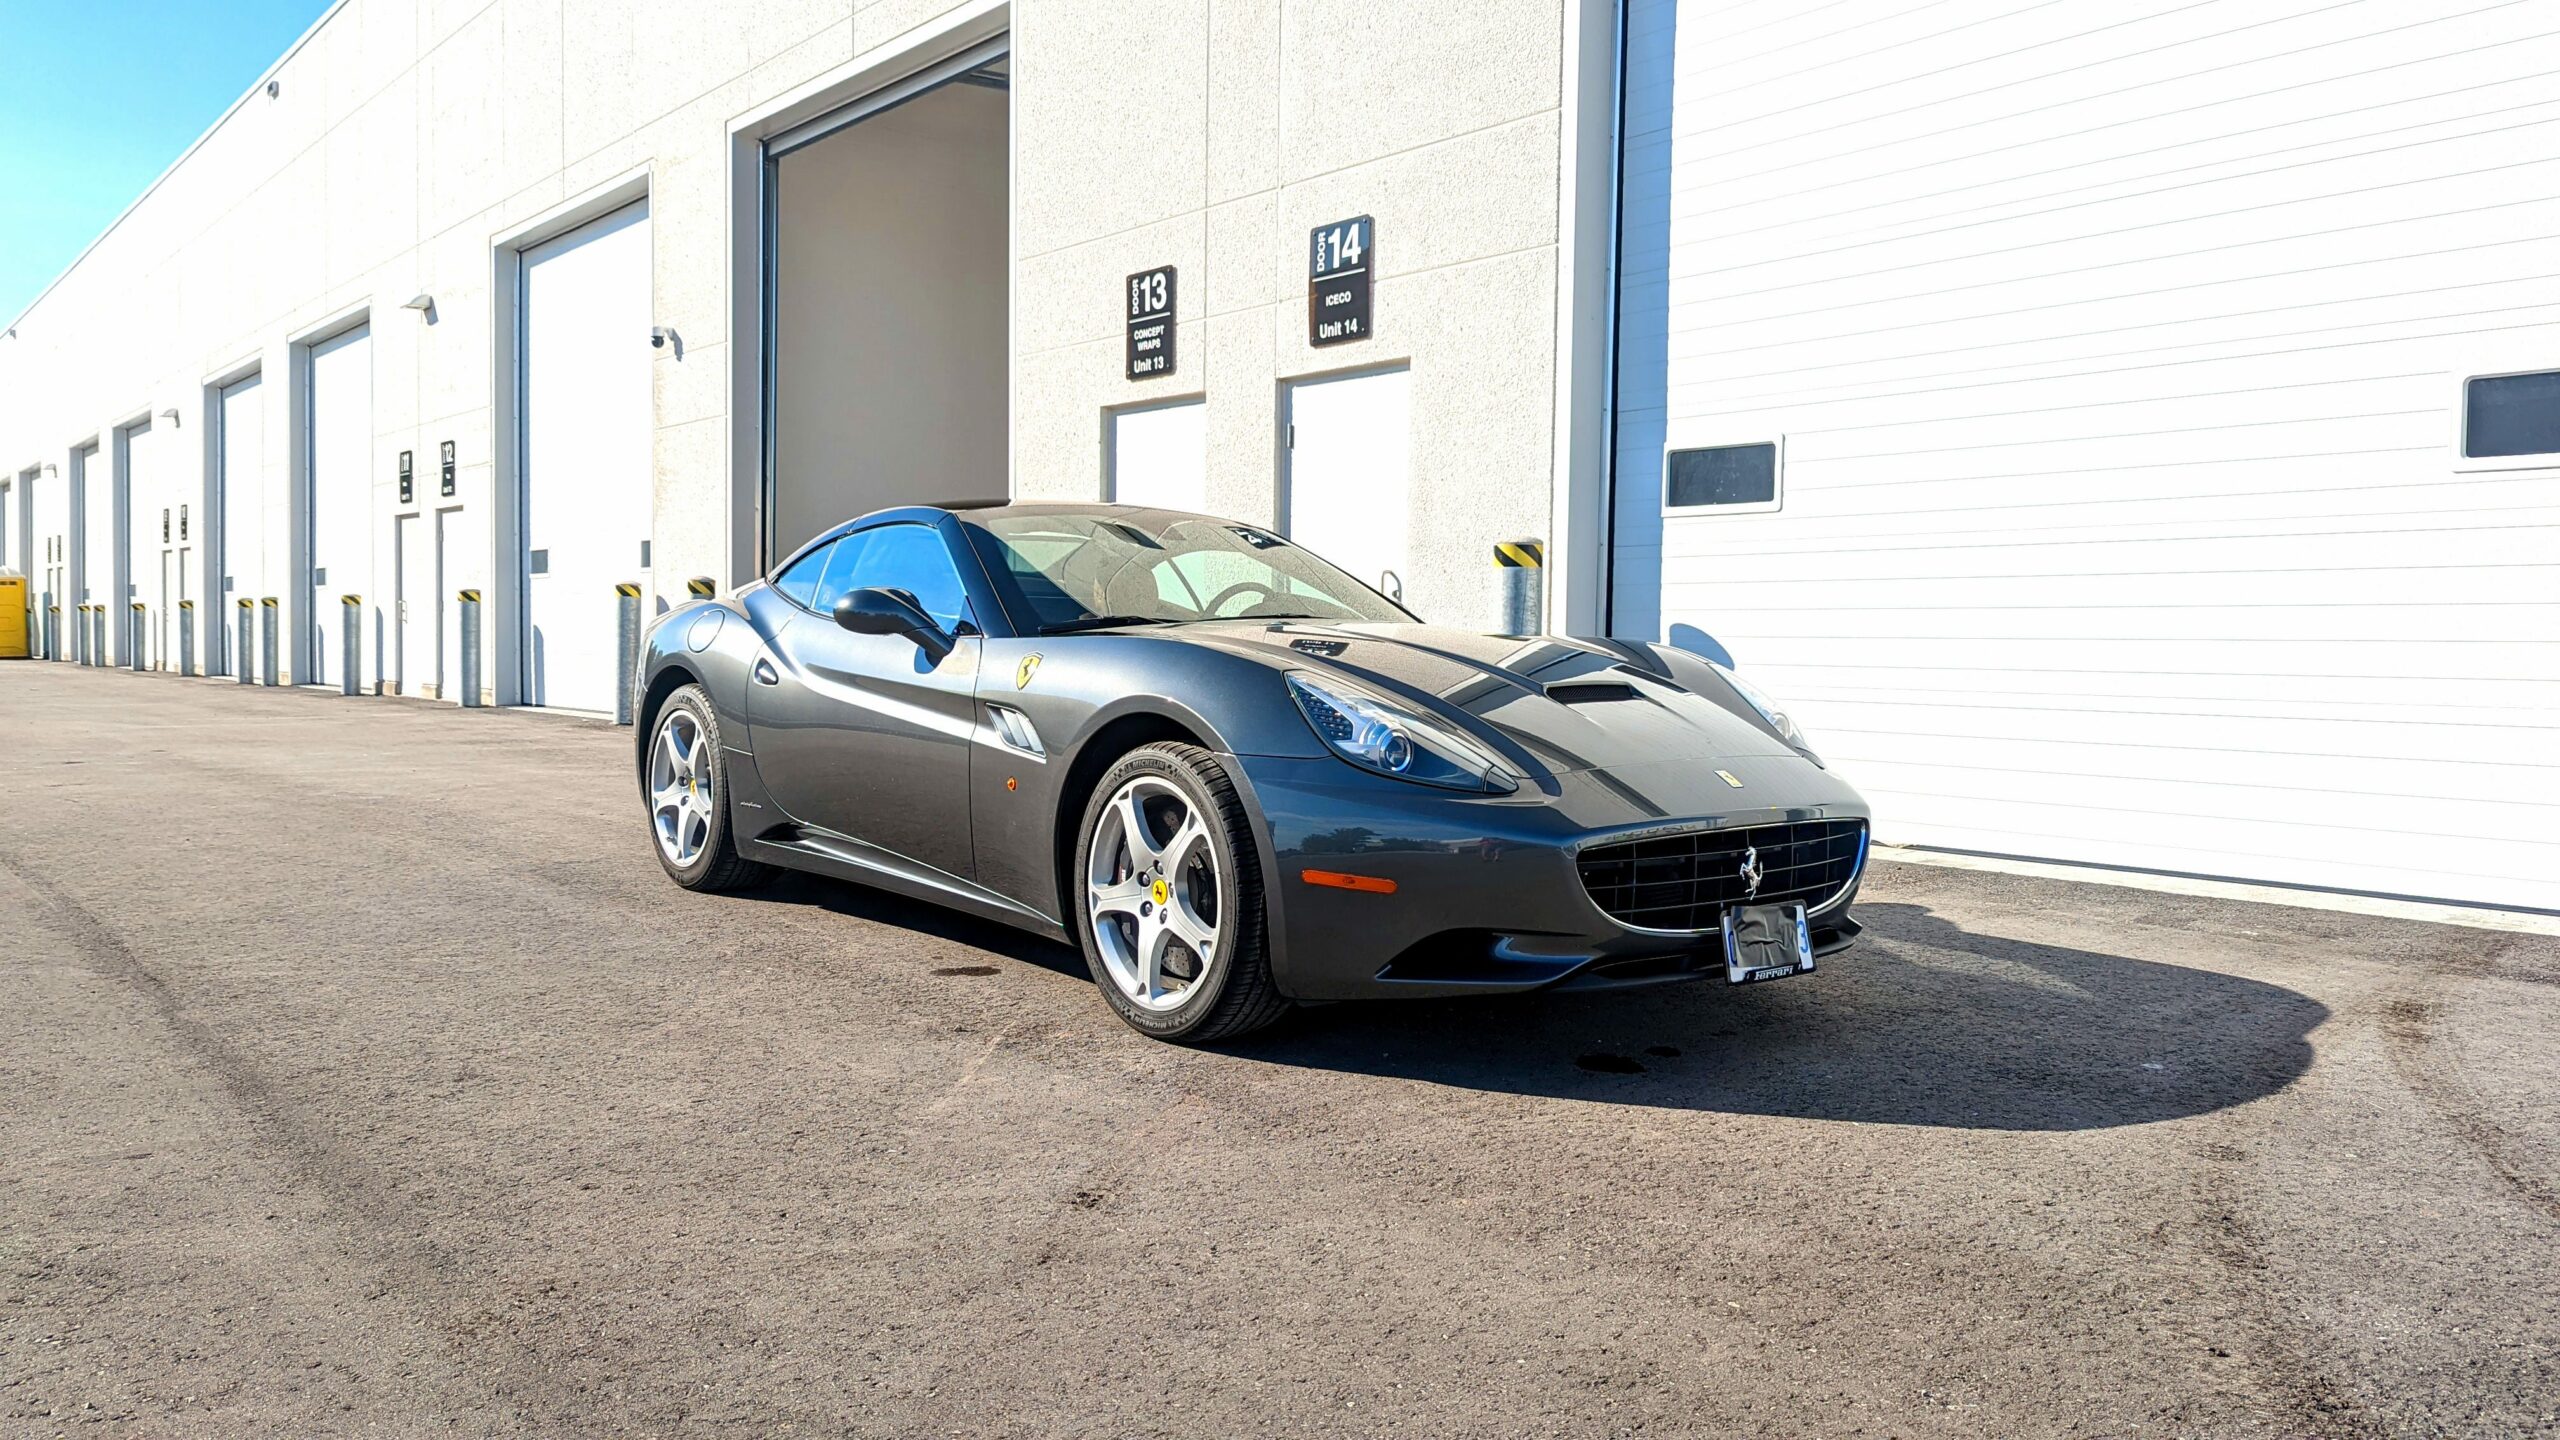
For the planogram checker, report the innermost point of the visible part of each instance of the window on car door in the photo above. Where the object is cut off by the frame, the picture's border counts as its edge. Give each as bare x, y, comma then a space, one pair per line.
916, 560
798, 581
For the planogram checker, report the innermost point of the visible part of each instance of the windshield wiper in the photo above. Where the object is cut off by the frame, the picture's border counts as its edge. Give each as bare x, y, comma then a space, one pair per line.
1103, 622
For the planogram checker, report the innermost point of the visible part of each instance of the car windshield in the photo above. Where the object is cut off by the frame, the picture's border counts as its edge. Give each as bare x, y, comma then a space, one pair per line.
1065, 571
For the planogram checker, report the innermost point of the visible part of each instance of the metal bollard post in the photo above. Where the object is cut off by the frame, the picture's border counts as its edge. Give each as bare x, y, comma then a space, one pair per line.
52, 628
139, 644
350, 641
186, 637
1523, 565
242, 651
267, 613
79, 634
627, 642
470, 647
700, 587
101, 654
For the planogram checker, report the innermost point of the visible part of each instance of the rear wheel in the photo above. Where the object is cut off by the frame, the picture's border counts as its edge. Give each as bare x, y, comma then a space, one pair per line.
687, 789
1169, 899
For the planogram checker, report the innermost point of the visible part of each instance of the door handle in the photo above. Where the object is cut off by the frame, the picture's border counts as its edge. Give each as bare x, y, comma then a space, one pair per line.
764, 672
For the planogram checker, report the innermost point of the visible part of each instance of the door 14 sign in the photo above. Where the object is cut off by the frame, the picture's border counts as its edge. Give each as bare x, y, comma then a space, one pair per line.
1338, 281
1151, 323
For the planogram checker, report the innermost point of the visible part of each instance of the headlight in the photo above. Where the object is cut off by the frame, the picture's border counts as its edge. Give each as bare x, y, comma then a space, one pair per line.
1770, 710
1376, 733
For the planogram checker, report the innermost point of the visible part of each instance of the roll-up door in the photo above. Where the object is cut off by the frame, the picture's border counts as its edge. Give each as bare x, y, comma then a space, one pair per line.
2067, 413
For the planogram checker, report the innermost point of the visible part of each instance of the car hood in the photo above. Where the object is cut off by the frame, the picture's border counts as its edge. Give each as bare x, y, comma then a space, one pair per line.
1568, 704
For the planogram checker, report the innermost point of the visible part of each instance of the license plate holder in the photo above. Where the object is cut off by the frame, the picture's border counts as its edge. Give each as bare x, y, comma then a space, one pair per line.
1766, 942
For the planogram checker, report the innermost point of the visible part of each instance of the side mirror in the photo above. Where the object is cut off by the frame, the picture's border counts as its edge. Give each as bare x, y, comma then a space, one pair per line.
886, 612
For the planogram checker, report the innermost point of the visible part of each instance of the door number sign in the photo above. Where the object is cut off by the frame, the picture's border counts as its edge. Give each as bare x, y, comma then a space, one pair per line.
1151, 323
1338, 262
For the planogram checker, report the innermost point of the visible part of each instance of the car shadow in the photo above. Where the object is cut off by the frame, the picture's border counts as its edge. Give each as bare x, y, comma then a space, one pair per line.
883, 907
1922, 1023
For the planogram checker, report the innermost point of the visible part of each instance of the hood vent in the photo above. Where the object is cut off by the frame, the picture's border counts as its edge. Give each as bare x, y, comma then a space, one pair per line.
1591, 692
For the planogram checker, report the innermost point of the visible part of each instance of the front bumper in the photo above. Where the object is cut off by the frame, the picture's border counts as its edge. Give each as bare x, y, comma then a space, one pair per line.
1487, 898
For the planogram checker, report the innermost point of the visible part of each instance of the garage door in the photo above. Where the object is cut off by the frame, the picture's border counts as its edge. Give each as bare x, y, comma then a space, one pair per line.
340, 508
589, 480
2062, 409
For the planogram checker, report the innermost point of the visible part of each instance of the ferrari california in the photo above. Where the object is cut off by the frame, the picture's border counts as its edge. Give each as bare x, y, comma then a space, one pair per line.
1238, 779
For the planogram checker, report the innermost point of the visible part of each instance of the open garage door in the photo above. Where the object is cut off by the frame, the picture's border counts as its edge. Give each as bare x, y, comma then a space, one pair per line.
886, 303
588, 467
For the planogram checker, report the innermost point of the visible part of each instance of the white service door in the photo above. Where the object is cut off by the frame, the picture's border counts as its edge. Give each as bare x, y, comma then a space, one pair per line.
413, 657
240, 491
145, 467
2116, 373
98, 545
1160, 456
48, 559
1350, 468
340, 496
589, 475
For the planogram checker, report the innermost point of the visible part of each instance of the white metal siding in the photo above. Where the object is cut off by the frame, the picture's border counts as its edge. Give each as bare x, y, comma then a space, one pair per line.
2115, 351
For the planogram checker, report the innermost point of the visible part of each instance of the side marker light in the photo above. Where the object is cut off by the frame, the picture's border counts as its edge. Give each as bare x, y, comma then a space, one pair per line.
1367, 884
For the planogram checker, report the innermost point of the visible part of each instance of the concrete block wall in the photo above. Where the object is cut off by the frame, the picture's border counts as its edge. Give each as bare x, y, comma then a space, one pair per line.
1213, 136
410, 144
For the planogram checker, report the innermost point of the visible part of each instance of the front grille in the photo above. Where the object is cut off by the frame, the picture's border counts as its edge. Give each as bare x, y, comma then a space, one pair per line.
1685, 881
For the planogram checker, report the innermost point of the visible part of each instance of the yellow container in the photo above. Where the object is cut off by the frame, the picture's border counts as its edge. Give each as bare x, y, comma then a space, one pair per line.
13, 616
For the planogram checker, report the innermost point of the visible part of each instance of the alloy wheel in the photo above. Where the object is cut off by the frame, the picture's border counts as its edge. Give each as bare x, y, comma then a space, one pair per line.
680, 798
1155, 894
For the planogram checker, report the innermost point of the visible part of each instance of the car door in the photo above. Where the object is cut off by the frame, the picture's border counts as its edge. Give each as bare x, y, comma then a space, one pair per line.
866, 736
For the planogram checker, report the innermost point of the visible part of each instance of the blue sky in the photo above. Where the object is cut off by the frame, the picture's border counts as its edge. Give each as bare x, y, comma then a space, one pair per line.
100, 96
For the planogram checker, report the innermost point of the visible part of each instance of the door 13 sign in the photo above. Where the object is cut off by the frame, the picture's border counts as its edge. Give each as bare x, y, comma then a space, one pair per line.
1151, 323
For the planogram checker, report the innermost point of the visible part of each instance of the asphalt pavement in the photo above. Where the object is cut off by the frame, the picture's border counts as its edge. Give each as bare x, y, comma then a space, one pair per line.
361, 1074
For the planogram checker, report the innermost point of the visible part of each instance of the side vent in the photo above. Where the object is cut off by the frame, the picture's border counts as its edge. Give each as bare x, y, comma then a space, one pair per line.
1016, 729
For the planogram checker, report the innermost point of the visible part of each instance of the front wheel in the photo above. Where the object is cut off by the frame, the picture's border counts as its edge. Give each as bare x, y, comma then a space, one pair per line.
687, 789
1169, 899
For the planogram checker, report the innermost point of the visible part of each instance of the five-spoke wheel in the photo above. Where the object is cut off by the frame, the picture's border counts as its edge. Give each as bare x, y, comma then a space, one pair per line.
1170, 912
1152, 885
685, 782
681, 789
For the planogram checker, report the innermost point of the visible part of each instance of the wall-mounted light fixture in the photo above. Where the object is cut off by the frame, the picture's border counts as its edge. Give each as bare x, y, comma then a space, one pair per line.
171, 416
423, 303
49, 470
274, 88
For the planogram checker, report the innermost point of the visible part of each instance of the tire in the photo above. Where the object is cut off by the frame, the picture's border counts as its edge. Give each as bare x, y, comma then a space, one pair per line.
1186, 997
688, 799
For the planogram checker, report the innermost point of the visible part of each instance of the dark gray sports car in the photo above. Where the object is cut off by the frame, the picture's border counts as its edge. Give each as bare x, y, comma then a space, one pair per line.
1232, 774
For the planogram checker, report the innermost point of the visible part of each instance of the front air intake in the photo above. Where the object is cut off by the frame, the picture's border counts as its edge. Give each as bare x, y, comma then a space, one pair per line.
1685, 882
